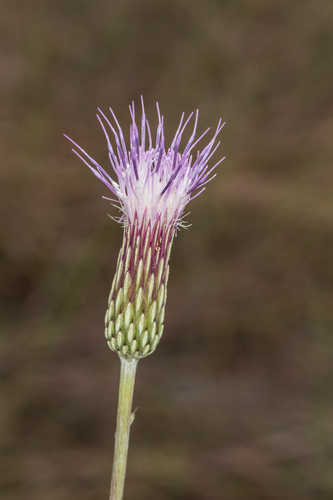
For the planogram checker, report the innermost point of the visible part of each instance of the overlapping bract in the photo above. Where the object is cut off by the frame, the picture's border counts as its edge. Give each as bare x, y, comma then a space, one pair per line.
134, 319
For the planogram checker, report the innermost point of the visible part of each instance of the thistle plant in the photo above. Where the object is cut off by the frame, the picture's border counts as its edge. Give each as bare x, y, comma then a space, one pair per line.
151, 185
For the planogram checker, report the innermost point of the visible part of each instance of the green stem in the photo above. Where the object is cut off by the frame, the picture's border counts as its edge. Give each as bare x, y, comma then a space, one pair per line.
125, 418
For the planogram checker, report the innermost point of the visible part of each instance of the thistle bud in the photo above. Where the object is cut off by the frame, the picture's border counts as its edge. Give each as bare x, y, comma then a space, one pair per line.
134, 318
153, 186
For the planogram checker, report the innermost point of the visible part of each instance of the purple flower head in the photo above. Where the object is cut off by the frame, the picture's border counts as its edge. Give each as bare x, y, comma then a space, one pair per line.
153, 182
152, 185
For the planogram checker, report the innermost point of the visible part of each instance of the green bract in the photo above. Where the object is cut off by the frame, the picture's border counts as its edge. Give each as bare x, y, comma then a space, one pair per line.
134, 319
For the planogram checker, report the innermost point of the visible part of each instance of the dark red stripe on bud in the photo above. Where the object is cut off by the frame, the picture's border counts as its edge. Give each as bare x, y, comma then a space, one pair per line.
135, 316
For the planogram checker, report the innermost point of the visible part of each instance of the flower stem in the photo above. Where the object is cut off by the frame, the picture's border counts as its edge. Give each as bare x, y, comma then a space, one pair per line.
125, 418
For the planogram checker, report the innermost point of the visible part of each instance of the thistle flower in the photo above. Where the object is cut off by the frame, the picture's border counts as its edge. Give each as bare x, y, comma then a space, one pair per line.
153, 185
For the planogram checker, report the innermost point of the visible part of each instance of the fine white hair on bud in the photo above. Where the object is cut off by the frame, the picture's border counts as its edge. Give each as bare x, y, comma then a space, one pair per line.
152, 184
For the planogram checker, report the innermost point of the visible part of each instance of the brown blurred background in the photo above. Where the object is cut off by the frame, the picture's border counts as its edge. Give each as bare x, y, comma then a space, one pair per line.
236, 404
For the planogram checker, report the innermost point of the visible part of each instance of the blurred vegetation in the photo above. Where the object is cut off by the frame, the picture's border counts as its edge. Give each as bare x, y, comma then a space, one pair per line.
236, 402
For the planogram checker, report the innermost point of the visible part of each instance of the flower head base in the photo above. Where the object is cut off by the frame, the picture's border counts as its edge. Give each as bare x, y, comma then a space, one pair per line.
134, 319
152, 187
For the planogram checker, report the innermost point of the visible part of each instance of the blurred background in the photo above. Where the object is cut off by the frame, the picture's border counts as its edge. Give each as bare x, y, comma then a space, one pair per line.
236, 403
